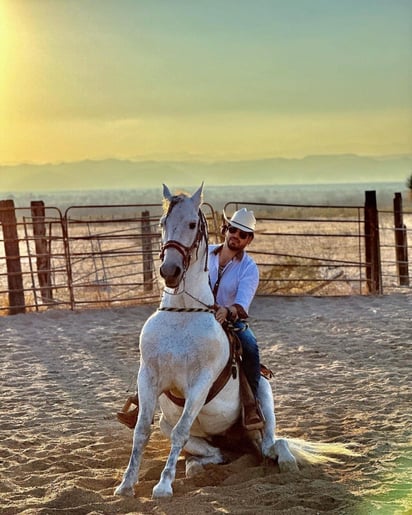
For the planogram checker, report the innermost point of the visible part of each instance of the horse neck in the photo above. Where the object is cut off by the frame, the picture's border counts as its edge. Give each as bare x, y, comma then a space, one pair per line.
194, 290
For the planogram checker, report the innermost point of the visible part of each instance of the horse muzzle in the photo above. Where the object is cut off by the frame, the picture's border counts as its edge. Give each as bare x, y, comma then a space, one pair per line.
172, 274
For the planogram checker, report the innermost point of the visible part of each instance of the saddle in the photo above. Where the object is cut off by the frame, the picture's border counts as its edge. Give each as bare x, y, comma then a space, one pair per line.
252, 416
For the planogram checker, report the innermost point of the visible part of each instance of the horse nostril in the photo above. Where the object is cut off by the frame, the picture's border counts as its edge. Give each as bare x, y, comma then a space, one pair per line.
170, 272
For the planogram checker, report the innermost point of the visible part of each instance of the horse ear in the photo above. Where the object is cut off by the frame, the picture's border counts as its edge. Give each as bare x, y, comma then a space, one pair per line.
197, 197
166, 193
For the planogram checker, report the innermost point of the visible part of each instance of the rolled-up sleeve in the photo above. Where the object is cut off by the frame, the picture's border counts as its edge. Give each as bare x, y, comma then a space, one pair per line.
247, 286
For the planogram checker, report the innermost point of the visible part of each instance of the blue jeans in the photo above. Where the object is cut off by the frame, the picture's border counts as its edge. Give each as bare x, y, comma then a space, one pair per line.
250, 353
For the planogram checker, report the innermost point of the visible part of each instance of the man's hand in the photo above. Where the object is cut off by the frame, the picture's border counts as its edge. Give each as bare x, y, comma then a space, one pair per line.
221, 314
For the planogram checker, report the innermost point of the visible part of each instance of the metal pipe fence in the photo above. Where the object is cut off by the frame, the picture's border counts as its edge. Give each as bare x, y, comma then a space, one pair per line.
108, 255
111, 254
308, 249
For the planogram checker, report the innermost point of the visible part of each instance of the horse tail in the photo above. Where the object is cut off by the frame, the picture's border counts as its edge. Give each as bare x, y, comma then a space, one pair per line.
319, 452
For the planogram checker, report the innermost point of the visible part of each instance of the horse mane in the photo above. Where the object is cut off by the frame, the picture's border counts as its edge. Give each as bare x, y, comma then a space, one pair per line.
169, 204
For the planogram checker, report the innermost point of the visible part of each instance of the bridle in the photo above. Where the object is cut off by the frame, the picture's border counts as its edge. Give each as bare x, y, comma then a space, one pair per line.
187, 252
184, 250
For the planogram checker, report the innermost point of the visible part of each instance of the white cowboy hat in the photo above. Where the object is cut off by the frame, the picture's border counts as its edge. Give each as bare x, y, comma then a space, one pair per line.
242, 219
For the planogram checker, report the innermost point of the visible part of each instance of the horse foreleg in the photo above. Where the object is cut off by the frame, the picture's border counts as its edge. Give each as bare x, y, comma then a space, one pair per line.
272, 447
200, 451
179, 437
147, 405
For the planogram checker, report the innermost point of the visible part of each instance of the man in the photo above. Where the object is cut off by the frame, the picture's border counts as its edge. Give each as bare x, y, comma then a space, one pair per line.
234, 278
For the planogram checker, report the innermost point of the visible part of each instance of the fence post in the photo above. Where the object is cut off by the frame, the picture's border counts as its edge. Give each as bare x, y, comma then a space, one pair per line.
42, 251
147, 252
372, 245
401, 241
67, 256
12, 253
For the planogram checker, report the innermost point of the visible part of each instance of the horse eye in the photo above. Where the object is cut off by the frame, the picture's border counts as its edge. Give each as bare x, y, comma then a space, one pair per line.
192, 225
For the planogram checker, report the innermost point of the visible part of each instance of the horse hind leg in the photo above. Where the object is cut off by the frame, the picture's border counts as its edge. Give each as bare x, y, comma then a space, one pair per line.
147, 405
199, 451
272, 447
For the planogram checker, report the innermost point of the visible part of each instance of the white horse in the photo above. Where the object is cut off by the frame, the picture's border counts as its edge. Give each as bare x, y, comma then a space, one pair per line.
183, 350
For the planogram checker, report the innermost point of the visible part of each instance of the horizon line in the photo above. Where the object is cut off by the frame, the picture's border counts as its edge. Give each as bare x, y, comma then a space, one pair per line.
204, 159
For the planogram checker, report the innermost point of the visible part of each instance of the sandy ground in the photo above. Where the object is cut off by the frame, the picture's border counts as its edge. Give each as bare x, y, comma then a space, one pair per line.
342, 374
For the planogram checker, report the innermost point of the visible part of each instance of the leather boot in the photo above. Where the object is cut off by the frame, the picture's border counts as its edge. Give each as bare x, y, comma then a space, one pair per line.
252, 416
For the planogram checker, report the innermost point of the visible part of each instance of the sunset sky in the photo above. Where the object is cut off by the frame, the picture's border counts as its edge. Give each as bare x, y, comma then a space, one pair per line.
204, 79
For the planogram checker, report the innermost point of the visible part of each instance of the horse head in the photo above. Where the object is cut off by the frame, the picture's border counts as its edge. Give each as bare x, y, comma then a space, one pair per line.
183, 229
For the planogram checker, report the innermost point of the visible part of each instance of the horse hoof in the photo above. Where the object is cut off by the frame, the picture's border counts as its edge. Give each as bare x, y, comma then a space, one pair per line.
124, 491
193, 468
288, 466
159, 491
286, 460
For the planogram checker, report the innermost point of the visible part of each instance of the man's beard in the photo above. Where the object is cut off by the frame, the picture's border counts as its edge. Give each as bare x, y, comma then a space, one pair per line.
234, 244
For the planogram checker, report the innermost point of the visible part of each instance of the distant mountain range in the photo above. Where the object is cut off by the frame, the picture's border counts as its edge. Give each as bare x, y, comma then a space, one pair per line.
125, 174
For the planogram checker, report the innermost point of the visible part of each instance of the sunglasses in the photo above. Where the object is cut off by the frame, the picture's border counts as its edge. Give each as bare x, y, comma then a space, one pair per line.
242, 234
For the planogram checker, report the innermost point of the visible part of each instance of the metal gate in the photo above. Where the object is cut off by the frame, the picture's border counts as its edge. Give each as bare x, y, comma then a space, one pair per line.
107, 255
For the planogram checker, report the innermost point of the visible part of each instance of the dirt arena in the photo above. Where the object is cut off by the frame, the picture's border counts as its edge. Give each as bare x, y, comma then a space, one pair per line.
342, 374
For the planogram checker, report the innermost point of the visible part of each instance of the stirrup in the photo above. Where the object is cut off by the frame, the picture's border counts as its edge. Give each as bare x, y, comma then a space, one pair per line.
252, 417
128, 416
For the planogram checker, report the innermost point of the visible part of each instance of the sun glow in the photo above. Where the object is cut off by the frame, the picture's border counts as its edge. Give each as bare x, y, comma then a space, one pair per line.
10, 41
5, 49
78, 83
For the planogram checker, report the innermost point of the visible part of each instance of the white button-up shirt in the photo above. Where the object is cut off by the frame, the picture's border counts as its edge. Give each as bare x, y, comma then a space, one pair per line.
238, 282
